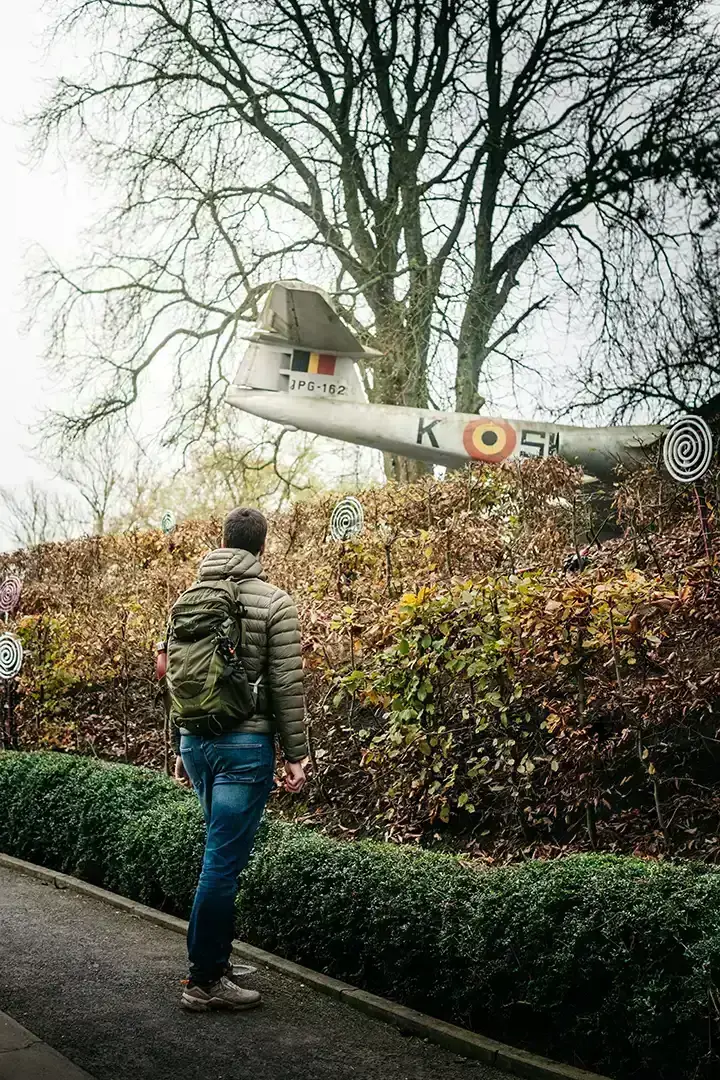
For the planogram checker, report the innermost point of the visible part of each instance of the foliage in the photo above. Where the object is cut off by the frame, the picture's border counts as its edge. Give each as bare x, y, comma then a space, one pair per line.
465, 690
112, 482
611, 962
64, 811
237, 462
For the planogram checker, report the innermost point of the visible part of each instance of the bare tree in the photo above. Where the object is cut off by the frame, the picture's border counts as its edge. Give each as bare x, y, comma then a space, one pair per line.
94, 464
445, 167
265, 468
663, 332
34, 515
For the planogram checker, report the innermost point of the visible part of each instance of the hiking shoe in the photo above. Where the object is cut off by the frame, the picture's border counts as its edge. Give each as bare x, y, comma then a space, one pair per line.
223, 994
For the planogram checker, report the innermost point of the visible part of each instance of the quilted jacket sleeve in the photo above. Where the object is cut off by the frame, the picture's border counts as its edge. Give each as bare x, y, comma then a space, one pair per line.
285, 676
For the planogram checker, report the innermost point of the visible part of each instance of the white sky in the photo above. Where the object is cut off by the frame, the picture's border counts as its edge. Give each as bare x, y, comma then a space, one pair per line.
45, 204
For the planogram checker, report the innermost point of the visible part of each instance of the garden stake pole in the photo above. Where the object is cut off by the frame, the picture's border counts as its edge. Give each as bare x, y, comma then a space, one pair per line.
11, 660
590, 809
3, 736
168, 566
168, 524
4, 742
313, 762
388, 536
388, 568
616, 657
166, 742
340, 570
703, 528
12, 731
125, 683
639, 742
578, 556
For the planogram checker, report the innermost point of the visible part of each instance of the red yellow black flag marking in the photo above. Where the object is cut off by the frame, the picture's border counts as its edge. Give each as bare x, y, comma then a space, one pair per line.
313, 363
489, 440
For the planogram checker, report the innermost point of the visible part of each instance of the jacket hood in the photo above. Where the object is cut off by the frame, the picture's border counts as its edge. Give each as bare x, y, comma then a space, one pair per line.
233, 563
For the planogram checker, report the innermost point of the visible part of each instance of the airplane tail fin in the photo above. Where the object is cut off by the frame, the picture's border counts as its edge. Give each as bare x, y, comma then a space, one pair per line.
300, 345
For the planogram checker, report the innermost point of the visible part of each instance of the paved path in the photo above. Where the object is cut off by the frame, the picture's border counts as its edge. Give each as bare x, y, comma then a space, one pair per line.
24, 1057
102, 987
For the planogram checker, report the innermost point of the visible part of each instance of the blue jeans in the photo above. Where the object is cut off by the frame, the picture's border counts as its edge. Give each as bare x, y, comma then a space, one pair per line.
233, 777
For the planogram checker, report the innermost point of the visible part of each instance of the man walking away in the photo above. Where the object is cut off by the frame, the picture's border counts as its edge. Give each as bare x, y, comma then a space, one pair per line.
235, 680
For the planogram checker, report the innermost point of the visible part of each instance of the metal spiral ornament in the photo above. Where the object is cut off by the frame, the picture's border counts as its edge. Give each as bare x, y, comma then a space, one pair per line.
348, 519
167, 522
10, 592
688, 450
11, 656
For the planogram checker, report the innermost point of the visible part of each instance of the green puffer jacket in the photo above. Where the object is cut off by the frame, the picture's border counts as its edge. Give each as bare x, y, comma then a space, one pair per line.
271, 649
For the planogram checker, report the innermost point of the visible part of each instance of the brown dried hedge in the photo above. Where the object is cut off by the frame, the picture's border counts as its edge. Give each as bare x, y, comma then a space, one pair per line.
474, 681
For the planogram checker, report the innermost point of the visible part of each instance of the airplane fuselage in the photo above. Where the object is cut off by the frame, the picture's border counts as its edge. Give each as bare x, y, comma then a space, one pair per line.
300, 370
450, 439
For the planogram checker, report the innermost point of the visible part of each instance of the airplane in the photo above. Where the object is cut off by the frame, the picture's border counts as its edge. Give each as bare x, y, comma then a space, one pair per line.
300, 370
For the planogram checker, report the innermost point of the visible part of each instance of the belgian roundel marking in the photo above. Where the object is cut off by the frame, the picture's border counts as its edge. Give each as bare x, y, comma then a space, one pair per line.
489, 440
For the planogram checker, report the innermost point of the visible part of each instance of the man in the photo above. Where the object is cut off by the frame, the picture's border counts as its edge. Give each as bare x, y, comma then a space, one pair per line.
233, 771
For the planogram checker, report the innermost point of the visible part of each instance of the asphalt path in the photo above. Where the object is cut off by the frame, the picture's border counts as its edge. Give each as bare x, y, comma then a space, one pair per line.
103, 987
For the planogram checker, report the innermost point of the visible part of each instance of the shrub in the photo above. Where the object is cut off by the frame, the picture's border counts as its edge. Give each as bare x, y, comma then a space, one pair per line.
65, 811
603, 960
464, 691
159, 854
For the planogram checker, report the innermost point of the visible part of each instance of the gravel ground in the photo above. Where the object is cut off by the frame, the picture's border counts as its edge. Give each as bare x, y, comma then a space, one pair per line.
102, 987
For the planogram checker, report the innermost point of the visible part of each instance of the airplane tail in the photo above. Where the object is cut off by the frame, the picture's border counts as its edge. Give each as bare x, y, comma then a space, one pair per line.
300, 345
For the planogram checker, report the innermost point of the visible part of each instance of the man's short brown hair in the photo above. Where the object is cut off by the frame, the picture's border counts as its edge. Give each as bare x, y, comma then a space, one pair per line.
246, 529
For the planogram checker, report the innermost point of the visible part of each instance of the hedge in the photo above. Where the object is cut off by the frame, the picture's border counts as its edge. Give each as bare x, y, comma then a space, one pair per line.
605, 961
468, 687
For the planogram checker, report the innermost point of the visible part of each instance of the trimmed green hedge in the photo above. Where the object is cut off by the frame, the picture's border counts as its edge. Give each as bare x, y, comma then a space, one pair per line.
604, 961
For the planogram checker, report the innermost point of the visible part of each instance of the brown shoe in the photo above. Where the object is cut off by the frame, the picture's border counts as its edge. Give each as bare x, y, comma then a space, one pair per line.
223, 994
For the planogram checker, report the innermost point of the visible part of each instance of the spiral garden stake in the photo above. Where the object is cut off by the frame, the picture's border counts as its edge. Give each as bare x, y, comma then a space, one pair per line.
347, 520
168, 522
10, 592
11, 659
688, 450
687, 455
346, 523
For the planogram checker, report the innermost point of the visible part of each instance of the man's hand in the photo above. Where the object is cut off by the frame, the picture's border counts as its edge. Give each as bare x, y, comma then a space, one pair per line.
294, 776
181, 775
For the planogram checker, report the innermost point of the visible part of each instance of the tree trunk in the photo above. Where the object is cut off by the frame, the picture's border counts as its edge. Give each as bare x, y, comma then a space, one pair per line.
404, 470
401, 379
472, 354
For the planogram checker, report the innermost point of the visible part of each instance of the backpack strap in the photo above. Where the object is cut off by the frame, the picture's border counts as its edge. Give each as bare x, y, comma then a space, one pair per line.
240, 613
241, 617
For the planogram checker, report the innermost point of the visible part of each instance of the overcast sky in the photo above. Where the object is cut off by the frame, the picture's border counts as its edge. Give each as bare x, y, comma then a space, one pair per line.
46, 204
